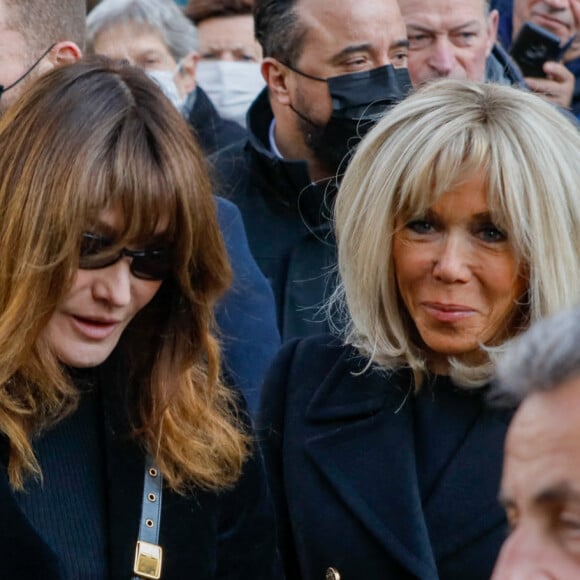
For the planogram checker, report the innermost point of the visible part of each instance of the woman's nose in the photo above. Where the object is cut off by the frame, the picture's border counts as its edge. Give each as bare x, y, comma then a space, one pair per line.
451, 262
113, 283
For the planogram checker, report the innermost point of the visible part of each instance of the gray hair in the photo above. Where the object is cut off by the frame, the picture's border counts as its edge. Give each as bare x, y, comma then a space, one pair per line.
541, 359
163, 16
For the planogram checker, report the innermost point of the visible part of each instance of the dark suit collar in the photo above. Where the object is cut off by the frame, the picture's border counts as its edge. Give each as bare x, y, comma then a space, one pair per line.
361, 437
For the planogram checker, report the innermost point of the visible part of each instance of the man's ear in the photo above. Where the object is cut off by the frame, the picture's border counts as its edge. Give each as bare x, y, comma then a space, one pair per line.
492, 24
64, 52
185, 77
276, 76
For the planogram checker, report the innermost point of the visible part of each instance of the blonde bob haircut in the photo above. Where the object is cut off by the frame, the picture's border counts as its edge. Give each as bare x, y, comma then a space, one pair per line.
528, 154
88, 137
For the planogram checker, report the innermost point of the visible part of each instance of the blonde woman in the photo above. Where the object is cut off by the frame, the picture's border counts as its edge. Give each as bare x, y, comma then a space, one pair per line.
458, 224
111, 264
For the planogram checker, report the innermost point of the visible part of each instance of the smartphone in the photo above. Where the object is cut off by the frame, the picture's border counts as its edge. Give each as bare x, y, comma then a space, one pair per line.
533, 47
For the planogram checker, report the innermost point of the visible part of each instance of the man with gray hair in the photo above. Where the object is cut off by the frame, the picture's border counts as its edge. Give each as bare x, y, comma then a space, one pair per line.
456, 39
540, 487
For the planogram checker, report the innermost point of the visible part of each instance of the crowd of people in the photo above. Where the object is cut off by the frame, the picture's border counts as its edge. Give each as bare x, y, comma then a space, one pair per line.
289, 289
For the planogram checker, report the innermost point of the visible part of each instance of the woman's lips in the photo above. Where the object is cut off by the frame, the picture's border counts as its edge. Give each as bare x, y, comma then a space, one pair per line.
448, 312
94, 328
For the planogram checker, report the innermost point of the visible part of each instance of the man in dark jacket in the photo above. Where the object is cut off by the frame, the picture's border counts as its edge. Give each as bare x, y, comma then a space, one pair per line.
245, 315
332, 68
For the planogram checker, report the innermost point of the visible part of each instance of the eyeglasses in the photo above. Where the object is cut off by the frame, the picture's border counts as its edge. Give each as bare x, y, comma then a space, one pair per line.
152, 263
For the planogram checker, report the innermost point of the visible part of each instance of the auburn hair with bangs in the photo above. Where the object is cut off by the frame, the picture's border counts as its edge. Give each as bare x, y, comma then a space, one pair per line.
88, 137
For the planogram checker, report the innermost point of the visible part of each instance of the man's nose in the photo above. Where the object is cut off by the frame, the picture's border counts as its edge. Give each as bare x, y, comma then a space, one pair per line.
442, 55
524, 556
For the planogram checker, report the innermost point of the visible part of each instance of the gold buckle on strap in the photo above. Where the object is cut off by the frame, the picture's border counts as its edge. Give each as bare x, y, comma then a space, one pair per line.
148, 558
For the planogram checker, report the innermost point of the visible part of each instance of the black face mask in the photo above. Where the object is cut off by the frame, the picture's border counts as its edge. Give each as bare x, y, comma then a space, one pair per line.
3, 89
359, 100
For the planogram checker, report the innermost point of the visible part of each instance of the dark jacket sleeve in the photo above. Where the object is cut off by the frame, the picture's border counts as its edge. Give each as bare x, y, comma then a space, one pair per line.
270, 432
247, 543
246, 315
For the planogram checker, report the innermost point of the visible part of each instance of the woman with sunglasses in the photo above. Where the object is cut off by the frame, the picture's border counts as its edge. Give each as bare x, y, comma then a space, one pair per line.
122, 453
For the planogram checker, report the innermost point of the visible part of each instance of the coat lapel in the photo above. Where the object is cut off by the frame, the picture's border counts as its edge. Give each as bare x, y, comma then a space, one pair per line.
470, 483
357, 423
362, 439
25, 554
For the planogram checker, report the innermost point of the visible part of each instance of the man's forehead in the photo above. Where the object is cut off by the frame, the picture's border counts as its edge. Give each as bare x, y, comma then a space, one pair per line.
341, 22
548, 421
416, 8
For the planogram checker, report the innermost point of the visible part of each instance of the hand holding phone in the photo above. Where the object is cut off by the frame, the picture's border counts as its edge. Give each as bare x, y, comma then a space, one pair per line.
533, 47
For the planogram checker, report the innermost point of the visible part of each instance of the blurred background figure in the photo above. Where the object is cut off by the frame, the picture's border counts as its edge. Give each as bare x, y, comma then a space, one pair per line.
458, 225
562, 18
230, 57
540, 487
156, 36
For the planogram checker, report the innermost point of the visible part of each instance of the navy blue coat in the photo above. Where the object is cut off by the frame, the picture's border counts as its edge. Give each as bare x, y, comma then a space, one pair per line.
246, 315
204, 535
340, 445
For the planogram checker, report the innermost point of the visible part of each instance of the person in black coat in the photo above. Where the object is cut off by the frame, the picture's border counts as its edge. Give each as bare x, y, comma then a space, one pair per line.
384, 458
122, 450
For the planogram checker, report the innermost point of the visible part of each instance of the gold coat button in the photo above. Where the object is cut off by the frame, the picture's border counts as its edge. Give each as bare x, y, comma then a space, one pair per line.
332, 574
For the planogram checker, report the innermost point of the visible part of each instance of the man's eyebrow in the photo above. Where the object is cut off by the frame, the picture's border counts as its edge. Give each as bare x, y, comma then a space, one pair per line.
466, 25
557, 493
419, 28
366, 47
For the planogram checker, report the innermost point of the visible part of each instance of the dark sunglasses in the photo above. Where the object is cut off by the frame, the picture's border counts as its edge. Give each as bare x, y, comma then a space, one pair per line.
152, 263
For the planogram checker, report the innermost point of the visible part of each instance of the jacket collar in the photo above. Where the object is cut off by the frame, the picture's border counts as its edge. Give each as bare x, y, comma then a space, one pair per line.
356, 420
287, 182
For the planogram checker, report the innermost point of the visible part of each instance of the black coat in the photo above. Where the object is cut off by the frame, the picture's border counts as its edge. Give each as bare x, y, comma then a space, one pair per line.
341, 452
246, 315
287, 220
203, 535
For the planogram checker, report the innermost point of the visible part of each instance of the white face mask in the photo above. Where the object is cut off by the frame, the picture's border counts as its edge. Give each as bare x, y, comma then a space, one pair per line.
231, 86
166, 80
